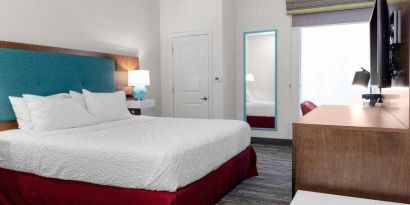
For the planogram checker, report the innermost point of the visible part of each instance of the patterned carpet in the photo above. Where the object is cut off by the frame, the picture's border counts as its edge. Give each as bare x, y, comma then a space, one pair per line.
273, 186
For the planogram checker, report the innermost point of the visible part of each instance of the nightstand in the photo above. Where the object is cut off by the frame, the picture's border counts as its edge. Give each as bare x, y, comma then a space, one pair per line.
135, 106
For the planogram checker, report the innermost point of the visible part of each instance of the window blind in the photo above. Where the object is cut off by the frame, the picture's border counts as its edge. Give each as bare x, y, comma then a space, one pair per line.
296, 7
333, 17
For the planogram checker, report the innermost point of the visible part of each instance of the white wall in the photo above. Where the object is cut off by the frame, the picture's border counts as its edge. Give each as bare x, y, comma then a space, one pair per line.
254, 15
260, 61
226, 20
191, 17
229, 58
129, 27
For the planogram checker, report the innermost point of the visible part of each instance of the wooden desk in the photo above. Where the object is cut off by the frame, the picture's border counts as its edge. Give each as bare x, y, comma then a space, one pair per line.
352, 151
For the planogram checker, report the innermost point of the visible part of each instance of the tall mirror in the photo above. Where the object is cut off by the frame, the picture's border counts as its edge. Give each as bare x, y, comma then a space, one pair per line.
260, 89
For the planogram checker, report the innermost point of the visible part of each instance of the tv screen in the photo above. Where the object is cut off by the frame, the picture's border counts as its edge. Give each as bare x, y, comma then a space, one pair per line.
380, 45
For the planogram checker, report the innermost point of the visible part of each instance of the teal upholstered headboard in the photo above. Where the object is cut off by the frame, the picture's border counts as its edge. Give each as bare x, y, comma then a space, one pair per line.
44, 73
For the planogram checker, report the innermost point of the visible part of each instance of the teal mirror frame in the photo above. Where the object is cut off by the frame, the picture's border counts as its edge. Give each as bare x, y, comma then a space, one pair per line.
276, 77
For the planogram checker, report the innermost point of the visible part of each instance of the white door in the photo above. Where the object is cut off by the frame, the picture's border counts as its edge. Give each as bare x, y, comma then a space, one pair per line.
190, 62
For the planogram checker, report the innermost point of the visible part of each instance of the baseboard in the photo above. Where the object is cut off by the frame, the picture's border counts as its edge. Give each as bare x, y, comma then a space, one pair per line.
260, 140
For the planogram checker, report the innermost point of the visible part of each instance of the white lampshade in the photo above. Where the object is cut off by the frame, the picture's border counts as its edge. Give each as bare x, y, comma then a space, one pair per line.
138, 77
250, 77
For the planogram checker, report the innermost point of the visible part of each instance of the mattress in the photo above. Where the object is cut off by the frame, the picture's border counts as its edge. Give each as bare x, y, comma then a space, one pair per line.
160, 154
260, 108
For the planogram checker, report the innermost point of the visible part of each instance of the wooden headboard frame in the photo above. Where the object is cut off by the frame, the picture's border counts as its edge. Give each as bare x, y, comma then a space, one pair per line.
122, 63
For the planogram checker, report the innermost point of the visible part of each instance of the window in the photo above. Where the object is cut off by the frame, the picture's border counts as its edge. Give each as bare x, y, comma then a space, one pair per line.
330, 56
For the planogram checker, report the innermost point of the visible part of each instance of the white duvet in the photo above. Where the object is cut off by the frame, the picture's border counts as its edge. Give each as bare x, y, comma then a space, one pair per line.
260, 108
149, 153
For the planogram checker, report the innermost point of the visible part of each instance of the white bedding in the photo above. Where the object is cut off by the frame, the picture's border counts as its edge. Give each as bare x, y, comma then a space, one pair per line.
260, 108
142, 152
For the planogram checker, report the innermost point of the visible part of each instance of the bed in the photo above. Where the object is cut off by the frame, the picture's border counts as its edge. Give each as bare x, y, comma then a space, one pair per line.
141, 160
260, 114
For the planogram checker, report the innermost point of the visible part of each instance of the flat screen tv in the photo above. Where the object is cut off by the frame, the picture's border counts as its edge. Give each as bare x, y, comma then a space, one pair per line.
380, 45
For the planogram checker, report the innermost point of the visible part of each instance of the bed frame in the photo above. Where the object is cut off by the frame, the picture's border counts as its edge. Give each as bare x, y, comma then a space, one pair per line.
21, 188
20, 57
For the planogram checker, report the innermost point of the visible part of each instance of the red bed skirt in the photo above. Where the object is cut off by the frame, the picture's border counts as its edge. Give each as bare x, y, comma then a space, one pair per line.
261, 121
17, 188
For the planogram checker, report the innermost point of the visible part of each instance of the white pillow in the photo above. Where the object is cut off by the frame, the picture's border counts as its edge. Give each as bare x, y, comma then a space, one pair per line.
107, 106
23, 113
78, 97
49, 114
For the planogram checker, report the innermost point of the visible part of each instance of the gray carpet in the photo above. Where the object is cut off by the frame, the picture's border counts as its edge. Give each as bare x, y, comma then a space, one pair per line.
273, 186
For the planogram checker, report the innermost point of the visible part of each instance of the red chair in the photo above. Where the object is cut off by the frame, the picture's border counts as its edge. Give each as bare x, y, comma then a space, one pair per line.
307, 107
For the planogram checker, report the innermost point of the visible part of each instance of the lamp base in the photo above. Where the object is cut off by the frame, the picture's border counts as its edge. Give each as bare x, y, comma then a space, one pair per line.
139, 92
374, 98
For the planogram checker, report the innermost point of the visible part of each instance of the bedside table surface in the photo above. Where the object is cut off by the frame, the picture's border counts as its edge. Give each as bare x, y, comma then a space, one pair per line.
148, 103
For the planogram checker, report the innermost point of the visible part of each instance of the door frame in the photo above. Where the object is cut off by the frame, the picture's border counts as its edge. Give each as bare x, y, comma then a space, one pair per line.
170, 54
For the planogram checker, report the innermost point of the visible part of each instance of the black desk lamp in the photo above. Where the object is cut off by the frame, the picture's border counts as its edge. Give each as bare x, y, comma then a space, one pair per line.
362, 78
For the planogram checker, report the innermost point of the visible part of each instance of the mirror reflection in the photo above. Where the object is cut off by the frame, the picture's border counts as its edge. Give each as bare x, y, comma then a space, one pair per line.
260, 79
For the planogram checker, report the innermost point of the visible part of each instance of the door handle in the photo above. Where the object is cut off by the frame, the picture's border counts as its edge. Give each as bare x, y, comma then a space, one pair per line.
204, 98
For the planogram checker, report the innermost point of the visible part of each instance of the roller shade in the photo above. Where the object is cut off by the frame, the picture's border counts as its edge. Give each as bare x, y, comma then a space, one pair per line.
296, 7
334, 17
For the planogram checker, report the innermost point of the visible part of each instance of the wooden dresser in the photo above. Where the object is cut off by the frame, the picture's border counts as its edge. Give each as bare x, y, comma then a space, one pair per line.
352, 151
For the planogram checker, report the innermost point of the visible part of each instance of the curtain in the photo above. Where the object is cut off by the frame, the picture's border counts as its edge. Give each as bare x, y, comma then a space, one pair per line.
296, 7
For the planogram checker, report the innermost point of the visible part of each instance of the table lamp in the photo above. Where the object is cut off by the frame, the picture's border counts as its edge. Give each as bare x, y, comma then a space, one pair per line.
250, 77
362, 78
139, 79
